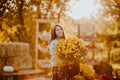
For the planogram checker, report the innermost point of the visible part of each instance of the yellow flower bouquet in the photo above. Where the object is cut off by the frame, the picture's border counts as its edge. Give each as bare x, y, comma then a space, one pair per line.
68, 54
70, 49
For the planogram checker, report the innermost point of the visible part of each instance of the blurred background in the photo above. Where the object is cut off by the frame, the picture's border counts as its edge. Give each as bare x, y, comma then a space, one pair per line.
97, 22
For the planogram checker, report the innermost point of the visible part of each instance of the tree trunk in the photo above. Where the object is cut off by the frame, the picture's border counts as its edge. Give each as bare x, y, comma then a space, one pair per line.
20, 9
0, 23
2, 10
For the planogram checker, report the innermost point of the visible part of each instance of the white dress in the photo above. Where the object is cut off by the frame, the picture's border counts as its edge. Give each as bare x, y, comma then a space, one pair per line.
52, 53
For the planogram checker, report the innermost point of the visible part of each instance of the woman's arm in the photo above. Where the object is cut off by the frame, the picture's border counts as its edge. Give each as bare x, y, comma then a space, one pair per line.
51, 48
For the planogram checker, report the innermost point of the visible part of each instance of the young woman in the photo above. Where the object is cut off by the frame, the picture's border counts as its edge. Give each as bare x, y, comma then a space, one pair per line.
57, 33
68, 71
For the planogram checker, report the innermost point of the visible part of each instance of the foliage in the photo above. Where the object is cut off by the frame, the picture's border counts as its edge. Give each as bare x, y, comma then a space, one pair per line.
18, 19
14, 10
49, 9
21, 11
78, 77
111, 8
115, 53
87, 71
45, 26
108, 37
116, 71
69, 49
111, 12
109, 21
117, 43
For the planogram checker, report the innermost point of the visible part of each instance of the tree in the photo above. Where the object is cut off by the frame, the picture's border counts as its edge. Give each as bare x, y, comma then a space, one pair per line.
109, 22
111, 8
18, 19
3, 6
49, 9
17, 9
13, 9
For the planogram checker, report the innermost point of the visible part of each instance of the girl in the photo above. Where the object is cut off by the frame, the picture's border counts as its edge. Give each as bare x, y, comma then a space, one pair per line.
57, 33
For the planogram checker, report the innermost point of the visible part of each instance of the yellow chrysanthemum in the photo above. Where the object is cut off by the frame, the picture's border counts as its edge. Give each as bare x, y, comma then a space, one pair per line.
87, 71
70, 49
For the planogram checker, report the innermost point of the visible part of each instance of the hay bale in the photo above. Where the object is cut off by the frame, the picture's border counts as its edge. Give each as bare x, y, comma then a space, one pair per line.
2, 63
15, 54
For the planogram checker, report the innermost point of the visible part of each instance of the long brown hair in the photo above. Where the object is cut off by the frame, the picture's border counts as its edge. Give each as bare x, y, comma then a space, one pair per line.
53, 34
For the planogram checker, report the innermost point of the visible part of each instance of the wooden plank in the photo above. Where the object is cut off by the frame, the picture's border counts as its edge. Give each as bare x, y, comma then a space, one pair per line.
46, 21
22, 72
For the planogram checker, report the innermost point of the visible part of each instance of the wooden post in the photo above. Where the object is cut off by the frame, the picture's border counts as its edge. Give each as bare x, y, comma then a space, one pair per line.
93, 53
37, 35
93, 44
78, 30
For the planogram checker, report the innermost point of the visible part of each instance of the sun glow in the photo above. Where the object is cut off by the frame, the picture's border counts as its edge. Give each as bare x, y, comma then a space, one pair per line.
82, 8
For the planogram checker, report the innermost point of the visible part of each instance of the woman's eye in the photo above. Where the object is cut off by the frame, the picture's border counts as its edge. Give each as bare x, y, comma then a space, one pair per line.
58, 30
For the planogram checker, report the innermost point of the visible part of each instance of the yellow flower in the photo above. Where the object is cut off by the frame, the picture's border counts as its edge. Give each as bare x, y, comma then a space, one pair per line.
87, 71
70, 48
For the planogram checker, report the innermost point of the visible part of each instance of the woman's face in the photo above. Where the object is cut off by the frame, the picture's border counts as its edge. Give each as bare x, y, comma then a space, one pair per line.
58, 31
